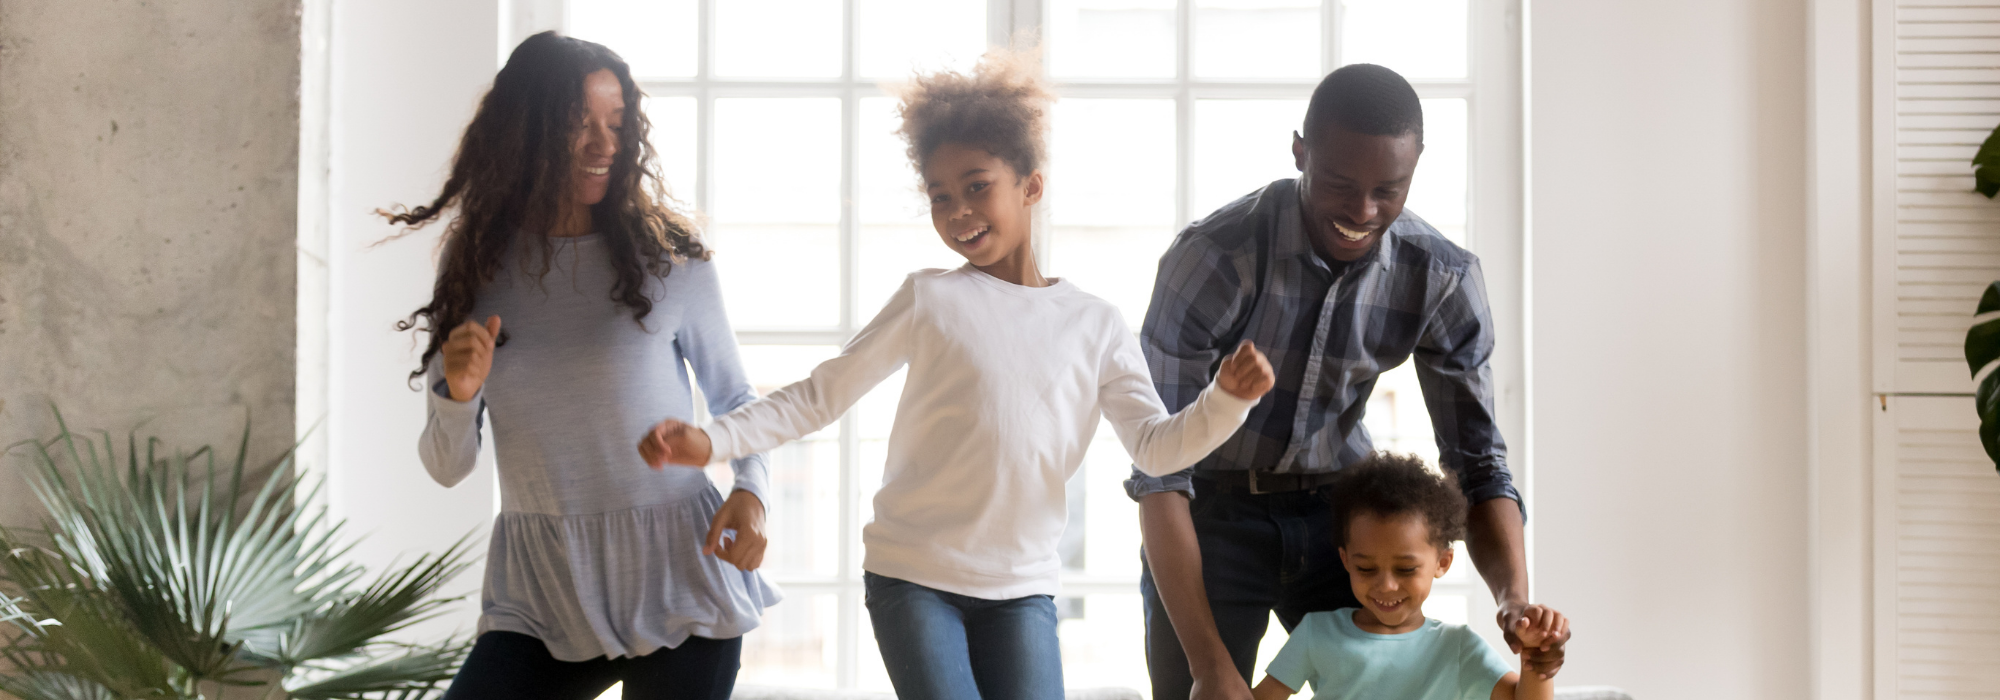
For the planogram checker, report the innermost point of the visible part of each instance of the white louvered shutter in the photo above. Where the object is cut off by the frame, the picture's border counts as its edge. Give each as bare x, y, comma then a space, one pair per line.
1943, 591
1937, 505
1946, 237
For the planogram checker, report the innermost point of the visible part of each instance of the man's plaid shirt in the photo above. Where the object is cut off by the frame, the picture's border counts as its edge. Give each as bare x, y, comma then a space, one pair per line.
1248, 272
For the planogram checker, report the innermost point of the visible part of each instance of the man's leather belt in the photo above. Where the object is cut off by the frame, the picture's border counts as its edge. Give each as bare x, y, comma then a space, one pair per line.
1256, 483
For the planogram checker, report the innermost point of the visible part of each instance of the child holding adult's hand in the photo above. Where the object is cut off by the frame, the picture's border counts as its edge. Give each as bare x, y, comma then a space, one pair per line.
1397, 522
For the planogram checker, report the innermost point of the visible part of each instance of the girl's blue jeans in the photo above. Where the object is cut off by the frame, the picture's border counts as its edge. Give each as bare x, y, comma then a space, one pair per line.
945, 646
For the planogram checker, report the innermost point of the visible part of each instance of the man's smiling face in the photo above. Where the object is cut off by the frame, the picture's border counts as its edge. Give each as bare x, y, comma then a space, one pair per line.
1352, 186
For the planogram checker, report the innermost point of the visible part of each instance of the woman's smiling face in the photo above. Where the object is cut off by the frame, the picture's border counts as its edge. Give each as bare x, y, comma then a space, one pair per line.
981, 208
595, 143
1391, 563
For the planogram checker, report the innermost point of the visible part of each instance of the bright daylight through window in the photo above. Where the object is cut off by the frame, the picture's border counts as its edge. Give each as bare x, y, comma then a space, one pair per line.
769, 118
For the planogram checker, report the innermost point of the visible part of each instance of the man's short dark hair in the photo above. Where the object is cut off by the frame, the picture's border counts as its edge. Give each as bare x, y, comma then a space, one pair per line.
1366, 99
1389, 485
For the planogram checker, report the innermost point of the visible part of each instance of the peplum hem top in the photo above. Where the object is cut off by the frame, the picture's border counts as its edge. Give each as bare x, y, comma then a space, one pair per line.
592, 552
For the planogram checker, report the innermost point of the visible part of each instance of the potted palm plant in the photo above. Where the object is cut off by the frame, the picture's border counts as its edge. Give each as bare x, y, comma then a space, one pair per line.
179, 575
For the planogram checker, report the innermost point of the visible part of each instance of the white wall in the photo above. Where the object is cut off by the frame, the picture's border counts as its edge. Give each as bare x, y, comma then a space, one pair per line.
405, 79
1668, 226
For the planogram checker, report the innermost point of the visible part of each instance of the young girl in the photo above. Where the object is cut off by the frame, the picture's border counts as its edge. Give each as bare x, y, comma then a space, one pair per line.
595, 573
1397, 521
1009, 373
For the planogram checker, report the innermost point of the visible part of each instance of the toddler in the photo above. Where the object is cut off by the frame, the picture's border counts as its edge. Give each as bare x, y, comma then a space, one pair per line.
1397, 523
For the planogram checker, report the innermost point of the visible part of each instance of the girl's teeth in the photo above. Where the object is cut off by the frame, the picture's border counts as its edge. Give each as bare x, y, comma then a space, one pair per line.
597, 171
969, 235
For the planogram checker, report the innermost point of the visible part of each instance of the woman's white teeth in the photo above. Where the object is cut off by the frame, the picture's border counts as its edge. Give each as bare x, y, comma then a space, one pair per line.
969, 235
1350, 234
597, 171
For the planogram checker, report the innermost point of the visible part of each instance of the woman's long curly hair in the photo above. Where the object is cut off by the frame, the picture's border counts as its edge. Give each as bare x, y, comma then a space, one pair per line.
510, 179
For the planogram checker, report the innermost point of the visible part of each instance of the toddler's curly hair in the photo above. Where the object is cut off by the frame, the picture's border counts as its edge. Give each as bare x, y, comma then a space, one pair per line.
1387, 484
1001, 106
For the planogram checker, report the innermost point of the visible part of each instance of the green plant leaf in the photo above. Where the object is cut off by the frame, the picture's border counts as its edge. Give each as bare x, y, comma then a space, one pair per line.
1987, 399
154, 577
398, 599
49, 685
1986, 166
79, 631
417, 669
1982, 348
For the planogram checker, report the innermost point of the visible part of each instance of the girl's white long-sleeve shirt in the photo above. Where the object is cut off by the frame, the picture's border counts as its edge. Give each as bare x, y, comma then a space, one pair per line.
1006, 387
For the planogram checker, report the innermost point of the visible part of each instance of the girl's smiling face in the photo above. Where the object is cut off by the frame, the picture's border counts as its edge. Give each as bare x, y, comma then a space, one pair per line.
982, 209
1391, 563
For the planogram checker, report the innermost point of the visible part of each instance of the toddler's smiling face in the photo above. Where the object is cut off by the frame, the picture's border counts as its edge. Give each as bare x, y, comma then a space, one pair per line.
1392, 563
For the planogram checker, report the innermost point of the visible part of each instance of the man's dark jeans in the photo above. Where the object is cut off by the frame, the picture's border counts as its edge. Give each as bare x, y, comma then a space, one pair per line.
1259, 554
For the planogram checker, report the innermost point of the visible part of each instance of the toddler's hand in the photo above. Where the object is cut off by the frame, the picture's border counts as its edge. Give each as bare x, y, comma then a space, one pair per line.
676, 442
1246, 374
1541, 626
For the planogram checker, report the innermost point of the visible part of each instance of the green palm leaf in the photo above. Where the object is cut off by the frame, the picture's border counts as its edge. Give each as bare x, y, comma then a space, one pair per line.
70, 627
415, 672
395, 601
157, 575
49, 685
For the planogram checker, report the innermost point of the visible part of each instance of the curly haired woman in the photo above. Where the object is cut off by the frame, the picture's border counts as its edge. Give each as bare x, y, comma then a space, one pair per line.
570, 297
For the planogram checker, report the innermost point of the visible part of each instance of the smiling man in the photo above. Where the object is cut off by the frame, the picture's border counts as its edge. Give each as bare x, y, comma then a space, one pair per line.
1337, 283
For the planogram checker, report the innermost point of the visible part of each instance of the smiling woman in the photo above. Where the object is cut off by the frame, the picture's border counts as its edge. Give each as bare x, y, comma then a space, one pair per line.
599, 571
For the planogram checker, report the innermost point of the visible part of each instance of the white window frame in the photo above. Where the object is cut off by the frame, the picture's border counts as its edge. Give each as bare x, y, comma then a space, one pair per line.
1495, 226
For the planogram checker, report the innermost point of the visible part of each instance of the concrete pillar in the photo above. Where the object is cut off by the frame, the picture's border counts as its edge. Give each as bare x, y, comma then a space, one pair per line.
148, 194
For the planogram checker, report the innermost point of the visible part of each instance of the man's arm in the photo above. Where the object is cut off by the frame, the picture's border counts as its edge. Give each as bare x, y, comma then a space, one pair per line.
1452, 362
1199, 295
1174, 556
1493, 538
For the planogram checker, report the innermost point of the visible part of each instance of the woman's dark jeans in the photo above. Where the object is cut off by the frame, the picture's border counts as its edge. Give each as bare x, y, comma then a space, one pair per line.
511, 666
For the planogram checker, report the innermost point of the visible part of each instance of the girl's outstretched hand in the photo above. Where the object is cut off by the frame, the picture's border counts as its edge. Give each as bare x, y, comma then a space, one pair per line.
1246, 374
678, 443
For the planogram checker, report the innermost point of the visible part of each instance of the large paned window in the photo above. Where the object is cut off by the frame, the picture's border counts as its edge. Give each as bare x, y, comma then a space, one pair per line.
771, 119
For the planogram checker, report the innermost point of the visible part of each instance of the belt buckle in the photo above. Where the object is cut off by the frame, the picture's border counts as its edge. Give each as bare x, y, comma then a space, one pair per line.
1255, 490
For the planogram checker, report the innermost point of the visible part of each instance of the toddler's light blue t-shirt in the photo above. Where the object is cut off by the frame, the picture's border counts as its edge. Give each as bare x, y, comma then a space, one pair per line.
1436, 662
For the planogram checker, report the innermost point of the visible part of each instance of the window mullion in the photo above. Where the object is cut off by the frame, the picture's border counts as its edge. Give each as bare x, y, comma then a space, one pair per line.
847, 603
704, 119
1184, 115
1329, 37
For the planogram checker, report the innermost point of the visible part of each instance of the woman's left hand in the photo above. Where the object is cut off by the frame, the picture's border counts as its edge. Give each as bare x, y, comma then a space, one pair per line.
744, 514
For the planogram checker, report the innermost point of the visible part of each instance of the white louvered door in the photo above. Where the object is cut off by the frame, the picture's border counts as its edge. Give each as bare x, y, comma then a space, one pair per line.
1942, 621
1937, 246
1944, 246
